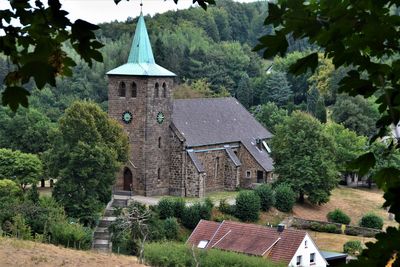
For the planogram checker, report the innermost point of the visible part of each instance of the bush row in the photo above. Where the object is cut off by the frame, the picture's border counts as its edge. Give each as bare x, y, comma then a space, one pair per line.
369, 220
174, 254
249, 203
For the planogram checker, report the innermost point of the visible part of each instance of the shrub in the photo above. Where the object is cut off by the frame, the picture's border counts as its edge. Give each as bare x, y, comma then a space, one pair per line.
352, 247
20, 229
371, 220
224, 207
267, 196
171, 228
284, 197
71, 235
247, 206
338, 216
166, 208
193, 214
327, 228
180, 255
179, 206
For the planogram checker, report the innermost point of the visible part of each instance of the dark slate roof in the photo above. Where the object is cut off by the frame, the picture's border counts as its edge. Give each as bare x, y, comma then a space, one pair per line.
233, 156
209, 121
196, 161
249, 239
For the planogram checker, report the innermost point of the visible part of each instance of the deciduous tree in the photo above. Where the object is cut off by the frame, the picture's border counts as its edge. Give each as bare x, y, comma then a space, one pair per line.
87, 151
304, 157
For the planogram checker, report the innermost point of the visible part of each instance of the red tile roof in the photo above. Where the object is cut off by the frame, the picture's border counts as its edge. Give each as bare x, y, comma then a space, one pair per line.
249, 239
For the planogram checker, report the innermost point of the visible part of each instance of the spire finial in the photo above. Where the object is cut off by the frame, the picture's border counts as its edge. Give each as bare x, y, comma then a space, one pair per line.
141, 6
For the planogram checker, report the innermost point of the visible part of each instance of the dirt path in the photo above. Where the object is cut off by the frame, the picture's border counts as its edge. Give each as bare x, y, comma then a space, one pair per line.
30, 254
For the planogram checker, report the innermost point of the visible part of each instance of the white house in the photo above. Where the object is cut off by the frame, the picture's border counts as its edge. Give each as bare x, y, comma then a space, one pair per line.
291, 246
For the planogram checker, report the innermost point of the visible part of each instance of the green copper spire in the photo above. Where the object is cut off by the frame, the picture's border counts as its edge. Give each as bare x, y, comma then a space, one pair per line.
141, 51
141, 60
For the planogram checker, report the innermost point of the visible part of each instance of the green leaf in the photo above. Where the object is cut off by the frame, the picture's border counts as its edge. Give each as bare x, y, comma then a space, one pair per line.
14, 96
387, 177
303, 64
363, 163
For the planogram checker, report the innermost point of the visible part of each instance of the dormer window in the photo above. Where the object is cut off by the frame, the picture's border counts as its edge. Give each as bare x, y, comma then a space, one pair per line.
156, 90
122, 89
202, 244
164, 86
134, 90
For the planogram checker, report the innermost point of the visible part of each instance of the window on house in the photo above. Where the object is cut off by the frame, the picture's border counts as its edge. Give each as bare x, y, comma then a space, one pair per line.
305, 244
164, 86
134, 90
248, 174
202, 244
122, 89
312, 258
156, 90
298, 260
159, 142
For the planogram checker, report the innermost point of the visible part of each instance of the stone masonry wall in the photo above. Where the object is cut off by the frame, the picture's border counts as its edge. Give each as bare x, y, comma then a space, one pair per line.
177, 163
248, 164
151, 171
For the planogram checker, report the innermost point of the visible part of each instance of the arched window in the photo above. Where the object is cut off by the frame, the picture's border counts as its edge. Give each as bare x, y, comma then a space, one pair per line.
159, 174
122, 89
156, 89
159, 142
134, 90
164, 86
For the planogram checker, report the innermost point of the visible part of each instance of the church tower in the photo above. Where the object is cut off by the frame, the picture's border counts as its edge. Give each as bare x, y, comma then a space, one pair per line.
140, 98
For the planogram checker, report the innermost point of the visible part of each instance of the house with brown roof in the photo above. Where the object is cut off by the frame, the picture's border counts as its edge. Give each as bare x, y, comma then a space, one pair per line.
181, 147
290, 246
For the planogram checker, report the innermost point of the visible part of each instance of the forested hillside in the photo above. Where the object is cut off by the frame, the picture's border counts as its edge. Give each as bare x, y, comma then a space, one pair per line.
214, 45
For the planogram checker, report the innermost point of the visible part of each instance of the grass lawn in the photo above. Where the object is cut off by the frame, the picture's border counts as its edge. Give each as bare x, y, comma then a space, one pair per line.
15, 252
355, 202
335, 242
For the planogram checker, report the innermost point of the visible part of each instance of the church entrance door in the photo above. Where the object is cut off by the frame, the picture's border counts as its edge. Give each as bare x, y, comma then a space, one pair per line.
127, 180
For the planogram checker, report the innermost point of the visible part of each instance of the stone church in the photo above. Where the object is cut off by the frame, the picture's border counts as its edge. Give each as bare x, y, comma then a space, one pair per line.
182, 147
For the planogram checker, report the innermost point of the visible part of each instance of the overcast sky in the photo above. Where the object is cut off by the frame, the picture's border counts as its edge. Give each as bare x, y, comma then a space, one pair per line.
96, 11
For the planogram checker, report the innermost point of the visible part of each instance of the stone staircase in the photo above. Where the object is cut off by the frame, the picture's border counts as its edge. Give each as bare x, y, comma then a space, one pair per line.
102, 236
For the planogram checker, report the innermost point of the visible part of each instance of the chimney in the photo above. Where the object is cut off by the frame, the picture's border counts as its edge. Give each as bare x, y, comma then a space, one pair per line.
281, 227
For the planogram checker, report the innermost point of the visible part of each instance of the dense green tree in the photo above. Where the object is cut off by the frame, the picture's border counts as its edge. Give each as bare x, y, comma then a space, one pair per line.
320, 111
275, 88
23, 168
28, 128
248, 206
270, 115
363, 35
243, 93
298, 84
87, 150
356, 113
304, 157
348, 145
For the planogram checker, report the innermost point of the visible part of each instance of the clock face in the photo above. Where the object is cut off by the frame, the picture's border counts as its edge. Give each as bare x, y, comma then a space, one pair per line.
127, 117
160, 117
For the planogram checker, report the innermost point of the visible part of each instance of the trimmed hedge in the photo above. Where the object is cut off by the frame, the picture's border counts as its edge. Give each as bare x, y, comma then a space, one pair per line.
180, 255
353, 247
338, 216
247, 206
327, 228
284, 197
171, 228
267, 196
371, 220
